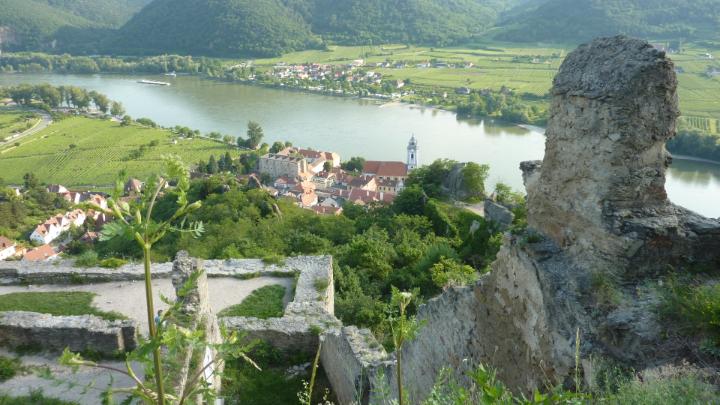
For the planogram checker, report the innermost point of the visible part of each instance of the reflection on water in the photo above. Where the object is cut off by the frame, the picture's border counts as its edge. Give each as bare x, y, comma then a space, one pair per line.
354, 127
695, 185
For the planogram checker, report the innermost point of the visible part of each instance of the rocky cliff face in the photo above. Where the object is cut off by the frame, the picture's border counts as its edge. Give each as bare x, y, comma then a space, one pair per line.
600, 222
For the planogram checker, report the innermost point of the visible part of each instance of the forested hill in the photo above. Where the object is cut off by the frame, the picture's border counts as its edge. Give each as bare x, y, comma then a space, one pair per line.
272, 27
574, 21
215, 28
269, 27
436, 22
37, 24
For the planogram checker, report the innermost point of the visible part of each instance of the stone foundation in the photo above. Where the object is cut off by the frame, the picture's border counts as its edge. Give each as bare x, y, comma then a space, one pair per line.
86, 333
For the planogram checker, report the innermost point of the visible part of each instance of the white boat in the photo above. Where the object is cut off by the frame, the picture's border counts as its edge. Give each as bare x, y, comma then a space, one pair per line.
171, 74
154, 83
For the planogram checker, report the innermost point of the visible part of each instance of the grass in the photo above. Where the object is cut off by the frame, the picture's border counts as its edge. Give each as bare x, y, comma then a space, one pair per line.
678, 390
263, 303
35, 398
55, 303
9, 368
695, 309
101, 149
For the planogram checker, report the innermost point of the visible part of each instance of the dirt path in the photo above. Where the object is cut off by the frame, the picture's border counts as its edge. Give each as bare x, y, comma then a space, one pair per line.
128, 298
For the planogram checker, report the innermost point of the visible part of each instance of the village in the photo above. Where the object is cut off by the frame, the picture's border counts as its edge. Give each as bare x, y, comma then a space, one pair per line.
313, 179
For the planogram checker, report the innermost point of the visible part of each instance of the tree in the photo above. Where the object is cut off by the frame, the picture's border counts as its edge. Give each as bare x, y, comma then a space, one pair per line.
254, 134
411, 200
117, 109
450, 273
474, 176
327, 166
101, 101
30, 181
213, 166
227, 139
277, 147
355, 164
126, 121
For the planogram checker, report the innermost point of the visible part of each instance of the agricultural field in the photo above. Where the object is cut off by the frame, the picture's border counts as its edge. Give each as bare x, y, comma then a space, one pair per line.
88, 152
15, 122
525, 68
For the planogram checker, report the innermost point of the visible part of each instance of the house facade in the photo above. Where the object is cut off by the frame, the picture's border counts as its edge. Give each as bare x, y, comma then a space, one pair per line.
7, 248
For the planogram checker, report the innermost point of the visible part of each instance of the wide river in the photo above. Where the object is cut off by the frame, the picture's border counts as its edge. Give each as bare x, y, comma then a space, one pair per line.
354, 127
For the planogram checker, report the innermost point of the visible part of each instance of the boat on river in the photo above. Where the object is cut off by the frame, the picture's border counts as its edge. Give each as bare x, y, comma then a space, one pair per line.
171, 74
153, 82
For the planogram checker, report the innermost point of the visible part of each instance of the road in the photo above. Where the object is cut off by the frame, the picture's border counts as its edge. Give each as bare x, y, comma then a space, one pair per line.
45, 121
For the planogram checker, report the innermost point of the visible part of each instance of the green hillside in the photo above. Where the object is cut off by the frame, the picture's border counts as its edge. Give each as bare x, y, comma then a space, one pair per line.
82, 152
47, 24
215, 27
573, 21
437, 22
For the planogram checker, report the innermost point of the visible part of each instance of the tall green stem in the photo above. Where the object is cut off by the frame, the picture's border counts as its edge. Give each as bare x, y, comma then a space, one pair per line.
152, 326
399, 377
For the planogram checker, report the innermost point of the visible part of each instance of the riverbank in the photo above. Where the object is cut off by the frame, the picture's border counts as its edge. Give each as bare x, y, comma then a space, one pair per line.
695, 159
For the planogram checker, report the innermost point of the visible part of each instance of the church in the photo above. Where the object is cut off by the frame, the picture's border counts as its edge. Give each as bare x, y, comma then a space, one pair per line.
391, 175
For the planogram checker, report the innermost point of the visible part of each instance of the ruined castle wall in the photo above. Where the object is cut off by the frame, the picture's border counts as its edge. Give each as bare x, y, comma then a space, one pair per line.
54, 333
350, 358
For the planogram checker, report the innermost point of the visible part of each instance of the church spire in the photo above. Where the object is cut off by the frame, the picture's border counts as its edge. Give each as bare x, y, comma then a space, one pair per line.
412, 154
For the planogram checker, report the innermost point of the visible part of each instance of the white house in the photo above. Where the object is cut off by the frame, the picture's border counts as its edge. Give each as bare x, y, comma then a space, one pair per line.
46, 233
7, 248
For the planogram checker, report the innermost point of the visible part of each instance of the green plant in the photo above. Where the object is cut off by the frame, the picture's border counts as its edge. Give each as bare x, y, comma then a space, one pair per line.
8, 368
146, 231
403, 328
694, 308
275, 259
305, 396
87, 259
449, 273
677, 390
321, 284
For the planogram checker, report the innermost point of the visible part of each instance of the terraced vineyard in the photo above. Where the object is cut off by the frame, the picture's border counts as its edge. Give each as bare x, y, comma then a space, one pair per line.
89, 152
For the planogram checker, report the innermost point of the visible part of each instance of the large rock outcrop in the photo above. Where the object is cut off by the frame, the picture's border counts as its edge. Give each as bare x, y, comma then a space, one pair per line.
600, 190
600, 225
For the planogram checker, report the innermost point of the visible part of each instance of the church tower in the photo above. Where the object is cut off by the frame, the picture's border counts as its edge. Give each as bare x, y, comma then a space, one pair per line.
412, 154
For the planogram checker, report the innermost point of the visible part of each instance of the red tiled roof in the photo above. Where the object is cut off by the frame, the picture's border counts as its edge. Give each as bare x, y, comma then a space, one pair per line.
385, 169
43, 252
5, 243
321, 210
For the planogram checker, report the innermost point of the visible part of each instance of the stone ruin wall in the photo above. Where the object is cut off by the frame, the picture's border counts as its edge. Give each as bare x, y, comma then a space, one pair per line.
30, 330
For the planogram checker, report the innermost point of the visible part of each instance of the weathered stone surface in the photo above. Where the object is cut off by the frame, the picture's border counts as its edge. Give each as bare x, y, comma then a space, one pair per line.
64, 272
194, 313
600, 190
454, 184
55, 333
498, 214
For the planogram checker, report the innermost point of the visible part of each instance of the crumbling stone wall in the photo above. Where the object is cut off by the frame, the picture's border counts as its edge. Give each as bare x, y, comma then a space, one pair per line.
20, 329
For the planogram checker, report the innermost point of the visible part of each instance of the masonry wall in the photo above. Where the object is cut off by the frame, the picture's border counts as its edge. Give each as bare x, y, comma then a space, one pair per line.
20, 329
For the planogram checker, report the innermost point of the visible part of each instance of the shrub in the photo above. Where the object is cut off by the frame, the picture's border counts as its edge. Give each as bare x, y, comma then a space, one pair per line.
678, 390
694, 308
448, 272
87, 259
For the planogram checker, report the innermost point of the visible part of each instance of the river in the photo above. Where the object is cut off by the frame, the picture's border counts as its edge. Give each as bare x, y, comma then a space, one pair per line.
353, 127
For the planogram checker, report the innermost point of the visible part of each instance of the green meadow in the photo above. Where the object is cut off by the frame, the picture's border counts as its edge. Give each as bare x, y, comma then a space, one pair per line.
14, 122
81, 151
